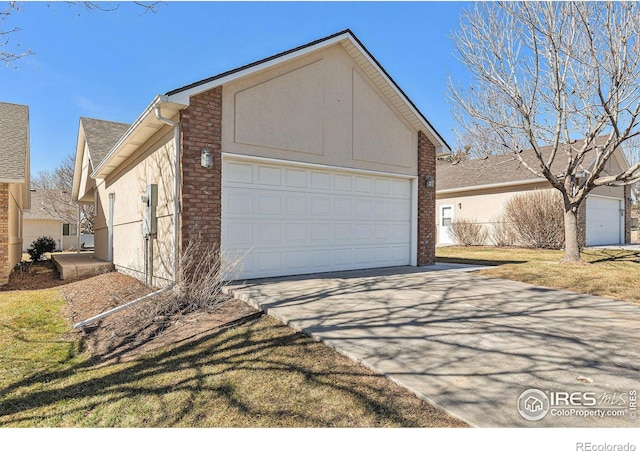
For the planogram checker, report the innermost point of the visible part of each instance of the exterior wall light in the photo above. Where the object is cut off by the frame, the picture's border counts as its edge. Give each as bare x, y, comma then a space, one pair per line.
206, 159
429, 182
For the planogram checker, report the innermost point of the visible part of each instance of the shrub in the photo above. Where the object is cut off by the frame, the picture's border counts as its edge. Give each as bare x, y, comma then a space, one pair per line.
467, 232
501, 233
40, 246
537, 219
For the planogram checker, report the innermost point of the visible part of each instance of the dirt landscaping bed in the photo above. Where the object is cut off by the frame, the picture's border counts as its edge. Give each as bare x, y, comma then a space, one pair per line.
120, 336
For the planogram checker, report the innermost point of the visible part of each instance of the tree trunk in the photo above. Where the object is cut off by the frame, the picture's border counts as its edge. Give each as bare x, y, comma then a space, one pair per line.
571, 247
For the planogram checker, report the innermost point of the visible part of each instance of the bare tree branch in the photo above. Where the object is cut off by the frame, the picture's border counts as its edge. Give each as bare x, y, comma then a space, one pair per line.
562, 77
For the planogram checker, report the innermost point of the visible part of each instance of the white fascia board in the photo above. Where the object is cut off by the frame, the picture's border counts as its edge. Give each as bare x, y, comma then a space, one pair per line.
8, 180
183, 96
442, 148
491, 185
77, 169
147, 114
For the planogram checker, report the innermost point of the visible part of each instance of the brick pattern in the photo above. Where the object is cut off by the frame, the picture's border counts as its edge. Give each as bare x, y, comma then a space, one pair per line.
627, 214
426, 202
4, 233
201, 128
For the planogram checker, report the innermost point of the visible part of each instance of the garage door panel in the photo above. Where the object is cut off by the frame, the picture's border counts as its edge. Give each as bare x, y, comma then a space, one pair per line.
295, 220
604, 221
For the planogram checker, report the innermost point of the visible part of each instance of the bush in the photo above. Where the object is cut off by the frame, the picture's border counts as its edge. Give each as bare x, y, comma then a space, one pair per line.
467, 232
537, 219
502, 232
40, 246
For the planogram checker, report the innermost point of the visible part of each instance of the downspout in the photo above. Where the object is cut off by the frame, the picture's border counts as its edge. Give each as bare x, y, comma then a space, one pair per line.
176, 191
176, 232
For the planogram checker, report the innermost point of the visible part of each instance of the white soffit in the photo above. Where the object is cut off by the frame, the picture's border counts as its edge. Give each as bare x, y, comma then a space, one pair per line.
140, 131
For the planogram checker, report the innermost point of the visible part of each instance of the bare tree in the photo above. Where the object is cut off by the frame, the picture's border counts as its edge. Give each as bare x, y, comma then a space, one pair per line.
58, 182
558, 74
10, 51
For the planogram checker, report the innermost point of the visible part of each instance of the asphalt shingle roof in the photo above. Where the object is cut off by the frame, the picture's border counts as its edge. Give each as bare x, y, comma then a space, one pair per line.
50, 204
101, 136
14, 141
496, 169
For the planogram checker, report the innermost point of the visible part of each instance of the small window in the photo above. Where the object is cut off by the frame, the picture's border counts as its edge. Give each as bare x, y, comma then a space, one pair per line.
446, 216
69, 229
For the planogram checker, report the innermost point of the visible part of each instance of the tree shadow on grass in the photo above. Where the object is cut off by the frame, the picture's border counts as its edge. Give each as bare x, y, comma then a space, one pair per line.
612, 256
185, 383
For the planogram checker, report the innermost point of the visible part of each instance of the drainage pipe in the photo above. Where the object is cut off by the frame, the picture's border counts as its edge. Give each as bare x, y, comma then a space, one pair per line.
88, 321
176, 225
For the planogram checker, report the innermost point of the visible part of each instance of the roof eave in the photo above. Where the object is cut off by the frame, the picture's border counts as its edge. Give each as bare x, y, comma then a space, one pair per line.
490, 185
144, 126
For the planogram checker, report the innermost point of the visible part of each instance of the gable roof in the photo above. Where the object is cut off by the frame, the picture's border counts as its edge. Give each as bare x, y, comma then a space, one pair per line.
499, 170
178, 99
50, 204
14, 143
358, 52
101, 136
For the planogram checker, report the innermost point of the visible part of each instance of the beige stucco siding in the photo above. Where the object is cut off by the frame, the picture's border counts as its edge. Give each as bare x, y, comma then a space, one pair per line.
482, 206
152, 164
15, 223
35, 228
321, 108
612, 167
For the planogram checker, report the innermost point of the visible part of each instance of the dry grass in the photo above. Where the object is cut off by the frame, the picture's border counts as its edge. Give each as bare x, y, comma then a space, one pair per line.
259, 374
610, 273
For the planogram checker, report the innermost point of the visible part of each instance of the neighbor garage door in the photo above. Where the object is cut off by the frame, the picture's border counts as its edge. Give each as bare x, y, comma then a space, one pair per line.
291, 219
604, 222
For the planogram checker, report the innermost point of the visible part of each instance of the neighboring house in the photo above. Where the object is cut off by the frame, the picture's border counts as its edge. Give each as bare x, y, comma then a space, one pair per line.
311, 160
634, 219
14, 183
479, 189
51, 216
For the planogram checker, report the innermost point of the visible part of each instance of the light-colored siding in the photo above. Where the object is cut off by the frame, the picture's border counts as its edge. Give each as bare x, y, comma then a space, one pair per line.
153, 164
35, 228
321, 108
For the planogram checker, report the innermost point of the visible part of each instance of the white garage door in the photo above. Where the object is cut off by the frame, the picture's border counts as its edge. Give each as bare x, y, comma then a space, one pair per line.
604, 222
284, 220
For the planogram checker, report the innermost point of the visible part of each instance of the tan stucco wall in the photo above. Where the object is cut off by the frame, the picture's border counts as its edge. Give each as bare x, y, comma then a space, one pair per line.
16, 194
87, 184
35, 228
152, 164
317, 109
483, 206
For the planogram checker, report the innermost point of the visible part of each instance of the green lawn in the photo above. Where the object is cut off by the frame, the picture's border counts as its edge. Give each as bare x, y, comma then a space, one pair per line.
609, 273
258, 375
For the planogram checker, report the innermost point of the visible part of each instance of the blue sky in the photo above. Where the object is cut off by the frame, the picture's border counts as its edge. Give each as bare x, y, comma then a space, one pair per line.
110, 65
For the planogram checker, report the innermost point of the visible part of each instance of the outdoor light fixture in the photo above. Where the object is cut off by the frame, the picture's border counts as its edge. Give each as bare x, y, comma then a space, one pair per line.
206, 159
429, 182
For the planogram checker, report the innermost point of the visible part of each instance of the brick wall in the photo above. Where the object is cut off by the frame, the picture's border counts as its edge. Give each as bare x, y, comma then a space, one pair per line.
4, 233
201, 127
582, 223
426, 202
627, 214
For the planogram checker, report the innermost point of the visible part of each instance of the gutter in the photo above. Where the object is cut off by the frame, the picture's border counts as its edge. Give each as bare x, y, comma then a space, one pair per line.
176, 212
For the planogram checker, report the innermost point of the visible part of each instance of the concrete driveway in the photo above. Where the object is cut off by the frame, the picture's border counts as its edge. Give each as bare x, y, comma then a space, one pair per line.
471, 344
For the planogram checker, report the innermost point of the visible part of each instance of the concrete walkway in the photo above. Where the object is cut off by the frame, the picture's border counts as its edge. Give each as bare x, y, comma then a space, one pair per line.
71, 266
467, 343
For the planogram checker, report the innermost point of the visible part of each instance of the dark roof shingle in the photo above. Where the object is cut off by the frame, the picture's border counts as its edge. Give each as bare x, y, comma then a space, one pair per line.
101, 136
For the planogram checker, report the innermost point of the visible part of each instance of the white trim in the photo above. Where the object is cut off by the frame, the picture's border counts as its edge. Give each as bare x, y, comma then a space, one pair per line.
492, 185
234, 156
439, 228
183, 96
413, 261
604, 197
